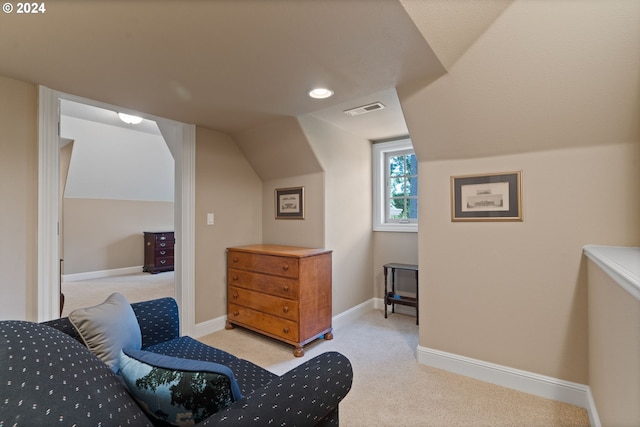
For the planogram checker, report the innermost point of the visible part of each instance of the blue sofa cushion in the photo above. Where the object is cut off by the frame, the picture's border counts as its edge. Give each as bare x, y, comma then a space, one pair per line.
158, 319
107, 328
177, 391
50, 379
249, 375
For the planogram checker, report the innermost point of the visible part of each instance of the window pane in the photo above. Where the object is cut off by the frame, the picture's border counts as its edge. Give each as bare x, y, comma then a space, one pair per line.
396, 181
397, 187
396, 208
412, 164
413, 208
412, 186
397, 165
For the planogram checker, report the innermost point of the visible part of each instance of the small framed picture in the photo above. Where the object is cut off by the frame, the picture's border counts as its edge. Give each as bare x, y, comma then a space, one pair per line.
289, 203
489, 197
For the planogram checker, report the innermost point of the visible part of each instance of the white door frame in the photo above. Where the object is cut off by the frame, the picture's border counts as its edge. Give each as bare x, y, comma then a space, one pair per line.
181, 140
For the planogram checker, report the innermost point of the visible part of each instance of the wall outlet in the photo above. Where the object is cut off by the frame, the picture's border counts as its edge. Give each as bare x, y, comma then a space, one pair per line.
210, 219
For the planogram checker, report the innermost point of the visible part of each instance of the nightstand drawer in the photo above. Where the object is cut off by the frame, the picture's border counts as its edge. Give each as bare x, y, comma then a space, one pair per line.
268, 304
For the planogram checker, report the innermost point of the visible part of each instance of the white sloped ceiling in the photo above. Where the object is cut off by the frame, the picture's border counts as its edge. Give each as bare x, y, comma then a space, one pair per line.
115, 162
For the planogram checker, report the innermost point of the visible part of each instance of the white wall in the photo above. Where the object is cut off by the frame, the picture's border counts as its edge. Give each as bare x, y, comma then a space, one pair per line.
110, 162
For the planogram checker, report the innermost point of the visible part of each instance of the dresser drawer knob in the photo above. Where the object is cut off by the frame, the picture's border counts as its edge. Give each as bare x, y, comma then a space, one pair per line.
285, 309
163, 238
235, 295
162, 261
285, 330
236, 313
285, 267
163, 244
234, 277
163, 252
285, 288
235, 259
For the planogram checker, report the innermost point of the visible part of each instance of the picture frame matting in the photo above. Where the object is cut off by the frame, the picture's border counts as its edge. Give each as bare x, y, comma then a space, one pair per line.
289, 203
487, 197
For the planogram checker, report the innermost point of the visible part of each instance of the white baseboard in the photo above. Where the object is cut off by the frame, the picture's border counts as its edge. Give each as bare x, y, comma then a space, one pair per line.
101, 273
401, 309
527, 382
351, 314
344, 318
209, 327
594, 419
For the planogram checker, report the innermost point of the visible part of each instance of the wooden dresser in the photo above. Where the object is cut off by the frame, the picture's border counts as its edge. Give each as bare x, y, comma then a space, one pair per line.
158, 251
283, 292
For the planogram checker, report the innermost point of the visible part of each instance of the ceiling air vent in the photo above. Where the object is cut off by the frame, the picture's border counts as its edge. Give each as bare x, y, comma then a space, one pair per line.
364, 109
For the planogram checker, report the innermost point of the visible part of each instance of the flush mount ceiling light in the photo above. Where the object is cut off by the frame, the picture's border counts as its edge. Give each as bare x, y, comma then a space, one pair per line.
129, 119
320, 93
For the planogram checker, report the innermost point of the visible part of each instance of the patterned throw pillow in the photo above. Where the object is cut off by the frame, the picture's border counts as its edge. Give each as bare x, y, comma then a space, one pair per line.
175, 391
107, 328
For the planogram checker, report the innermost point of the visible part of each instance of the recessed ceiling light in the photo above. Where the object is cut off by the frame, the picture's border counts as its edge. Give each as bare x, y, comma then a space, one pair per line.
129, 119
320, 93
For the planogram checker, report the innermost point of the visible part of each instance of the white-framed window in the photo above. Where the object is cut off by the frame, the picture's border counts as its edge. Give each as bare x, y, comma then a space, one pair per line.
395, 186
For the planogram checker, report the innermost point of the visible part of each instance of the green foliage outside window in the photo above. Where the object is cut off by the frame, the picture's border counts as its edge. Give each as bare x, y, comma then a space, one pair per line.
402, 179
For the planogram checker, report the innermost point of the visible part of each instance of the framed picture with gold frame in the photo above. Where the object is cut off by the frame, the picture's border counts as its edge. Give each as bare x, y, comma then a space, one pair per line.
289, 203
488, 197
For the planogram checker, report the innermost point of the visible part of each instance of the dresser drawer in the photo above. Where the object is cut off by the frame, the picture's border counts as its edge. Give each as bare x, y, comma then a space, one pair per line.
272, 325
280, 307
164, 252
163, 262
269, 264
164, 237
164, 244
278, 286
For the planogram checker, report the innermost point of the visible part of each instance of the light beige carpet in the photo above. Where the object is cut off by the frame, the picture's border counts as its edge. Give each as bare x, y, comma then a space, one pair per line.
135, 287
391, 389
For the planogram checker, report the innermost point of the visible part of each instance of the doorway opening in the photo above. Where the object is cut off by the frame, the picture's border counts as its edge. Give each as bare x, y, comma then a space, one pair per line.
116, 182
180, 139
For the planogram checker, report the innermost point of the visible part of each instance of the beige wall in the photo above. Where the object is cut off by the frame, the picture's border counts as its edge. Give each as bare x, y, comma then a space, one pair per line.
308, 232
228, 187
394, 247
103, 234
502, 291
555, 84
278, 149
346, 160
614, 349
18, 198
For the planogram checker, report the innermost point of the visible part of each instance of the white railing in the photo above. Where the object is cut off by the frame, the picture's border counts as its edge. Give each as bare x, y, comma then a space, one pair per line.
621, 263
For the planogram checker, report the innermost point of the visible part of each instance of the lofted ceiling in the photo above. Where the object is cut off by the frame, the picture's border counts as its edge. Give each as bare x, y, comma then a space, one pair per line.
232, 65
227, 64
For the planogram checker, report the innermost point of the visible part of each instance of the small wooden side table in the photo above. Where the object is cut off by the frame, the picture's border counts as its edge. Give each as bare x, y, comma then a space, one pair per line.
391, 297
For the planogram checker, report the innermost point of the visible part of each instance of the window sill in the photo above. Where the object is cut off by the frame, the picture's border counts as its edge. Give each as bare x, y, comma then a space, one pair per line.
397, 228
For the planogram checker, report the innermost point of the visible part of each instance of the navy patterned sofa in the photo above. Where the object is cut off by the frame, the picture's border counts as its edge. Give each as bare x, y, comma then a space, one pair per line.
48, 377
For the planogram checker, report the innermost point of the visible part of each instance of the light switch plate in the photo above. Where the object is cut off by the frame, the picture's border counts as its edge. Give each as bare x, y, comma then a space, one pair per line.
210, 219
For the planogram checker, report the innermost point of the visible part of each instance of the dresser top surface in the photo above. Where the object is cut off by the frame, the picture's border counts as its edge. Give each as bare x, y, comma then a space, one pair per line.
280, 250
